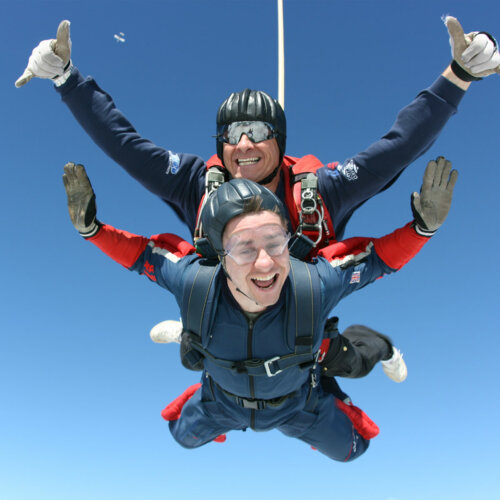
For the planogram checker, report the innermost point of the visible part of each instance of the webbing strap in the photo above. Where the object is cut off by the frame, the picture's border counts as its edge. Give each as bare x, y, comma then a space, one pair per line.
257, 367
304, 305
195, 302
257, 404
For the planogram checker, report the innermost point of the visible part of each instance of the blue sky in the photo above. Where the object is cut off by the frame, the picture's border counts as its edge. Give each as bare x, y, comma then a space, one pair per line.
82, 385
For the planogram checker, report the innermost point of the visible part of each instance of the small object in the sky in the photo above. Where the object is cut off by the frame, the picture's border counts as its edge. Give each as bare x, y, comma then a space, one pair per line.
120, 37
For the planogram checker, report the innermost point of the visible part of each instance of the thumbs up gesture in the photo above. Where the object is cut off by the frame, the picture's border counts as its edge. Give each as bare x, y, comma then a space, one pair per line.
476, 53
50, 58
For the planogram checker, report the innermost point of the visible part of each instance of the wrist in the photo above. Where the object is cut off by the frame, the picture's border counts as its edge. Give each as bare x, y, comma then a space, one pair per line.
61, 79
427, 233
462, 74
91, 231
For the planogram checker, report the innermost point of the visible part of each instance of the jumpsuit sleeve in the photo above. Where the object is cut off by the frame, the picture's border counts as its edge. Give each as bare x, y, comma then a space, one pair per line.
350, 265
373, 170
177, 178
162, 258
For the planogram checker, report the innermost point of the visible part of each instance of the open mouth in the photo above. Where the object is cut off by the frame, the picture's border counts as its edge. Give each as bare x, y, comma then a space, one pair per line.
265, 282
243, 162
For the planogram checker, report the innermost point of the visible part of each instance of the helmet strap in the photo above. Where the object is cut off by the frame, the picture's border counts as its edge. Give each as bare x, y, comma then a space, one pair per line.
237, 289
269, 178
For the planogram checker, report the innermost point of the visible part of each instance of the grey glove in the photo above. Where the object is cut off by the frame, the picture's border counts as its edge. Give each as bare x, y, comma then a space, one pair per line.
81, 200
50, 58
475, 54
432, 205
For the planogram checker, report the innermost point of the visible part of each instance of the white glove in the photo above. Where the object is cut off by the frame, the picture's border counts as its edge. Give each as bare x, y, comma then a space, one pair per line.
50, 58
476, 53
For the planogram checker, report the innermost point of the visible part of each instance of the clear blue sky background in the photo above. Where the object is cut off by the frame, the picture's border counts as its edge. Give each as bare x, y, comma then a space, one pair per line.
82, 385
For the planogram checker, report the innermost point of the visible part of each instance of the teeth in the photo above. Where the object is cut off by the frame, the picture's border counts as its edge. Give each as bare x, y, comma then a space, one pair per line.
247, 161
264, 278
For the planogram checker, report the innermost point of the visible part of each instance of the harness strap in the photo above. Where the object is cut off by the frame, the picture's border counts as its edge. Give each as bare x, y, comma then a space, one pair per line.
257, 367
256, 404
304, 301
214, 178
195, 302
308, 213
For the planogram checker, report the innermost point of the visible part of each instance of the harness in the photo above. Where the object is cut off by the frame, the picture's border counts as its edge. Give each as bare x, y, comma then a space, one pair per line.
303, 314
311, 222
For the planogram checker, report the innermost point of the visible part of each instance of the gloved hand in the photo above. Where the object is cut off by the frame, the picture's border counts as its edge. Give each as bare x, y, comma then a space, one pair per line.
50, 58
475, 53
432, 205
81, 200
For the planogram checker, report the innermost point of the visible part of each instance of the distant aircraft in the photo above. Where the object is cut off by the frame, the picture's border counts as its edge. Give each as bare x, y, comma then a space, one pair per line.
120, 37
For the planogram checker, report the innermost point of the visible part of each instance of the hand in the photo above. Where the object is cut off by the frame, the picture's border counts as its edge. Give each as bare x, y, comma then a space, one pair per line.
475, 53
432, 205
50, 58
81, 200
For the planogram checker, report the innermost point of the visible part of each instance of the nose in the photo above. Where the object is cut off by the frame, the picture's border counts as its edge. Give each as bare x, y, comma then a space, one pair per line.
264, 260
244, 143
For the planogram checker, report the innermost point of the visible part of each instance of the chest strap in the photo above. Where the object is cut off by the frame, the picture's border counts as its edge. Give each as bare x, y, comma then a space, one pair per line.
256, 367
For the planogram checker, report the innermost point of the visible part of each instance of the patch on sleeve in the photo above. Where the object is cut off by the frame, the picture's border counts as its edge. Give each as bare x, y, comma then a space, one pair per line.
349, 170
355, 277
174, 162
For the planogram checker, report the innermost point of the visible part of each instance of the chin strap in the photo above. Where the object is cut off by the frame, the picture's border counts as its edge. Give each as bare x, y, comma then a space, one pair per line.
269, 178
237, 289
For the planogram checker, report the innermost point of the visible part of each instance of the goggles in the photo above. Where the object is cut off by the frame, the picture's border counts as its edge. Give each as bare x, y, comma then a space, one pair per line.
244, 247
255, 131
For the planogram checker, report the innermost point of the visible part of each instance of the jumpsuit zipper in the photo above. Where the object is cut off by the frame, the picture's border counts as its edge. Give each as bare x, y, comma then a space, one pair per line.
250, 377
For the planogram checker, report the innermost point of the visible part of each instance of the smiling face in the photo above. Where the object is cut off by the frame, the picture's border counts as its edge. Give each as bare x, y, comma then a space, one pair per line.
254, 161
258, 284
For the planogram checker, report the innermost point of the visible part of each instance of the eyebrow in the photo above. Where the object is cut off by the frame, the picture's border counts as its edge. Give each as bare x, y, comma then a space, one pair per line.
243, 242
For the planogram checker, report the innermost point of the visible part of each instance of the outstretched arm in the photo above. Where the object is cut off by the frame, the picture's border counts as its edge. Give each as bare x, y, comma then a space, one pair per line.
177, 178
158, 257
416, 128
359, 261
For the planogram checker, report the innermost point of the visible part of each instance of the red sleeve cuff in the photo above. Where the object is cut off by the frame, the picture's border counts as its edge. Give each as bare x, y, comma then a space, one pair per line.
123, 247
399, 247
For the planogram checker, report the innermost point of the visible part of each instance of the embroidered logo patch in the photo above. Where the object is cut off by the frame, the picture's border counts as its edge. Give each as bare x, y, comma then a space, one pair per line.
149, 271
349, 170
174, 162
355, 277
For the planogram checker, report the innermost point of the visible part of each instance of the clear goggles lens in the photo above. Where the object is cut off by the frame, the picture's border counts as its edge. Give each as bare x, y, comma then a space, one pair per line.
255, 131
244, 247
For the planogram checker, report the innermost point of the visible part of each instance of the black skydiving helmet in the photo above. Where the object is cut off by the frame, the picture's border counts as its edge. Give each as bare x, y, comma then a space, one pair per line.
252, 106
229, 201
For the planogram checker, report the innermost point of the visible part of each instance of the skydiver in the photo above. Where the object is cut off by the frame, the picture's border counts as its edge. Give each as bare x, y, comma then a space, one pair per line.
240, 310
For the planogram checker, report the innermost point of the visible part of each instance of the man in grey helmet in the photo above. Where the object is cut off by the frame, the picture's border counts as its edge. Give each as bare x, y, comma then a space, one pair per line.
261, 369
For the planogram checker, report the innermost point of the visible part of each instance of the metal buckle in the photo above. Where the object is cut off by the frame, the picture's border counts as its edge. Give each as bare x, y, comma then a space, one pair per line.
250, 404
268, 369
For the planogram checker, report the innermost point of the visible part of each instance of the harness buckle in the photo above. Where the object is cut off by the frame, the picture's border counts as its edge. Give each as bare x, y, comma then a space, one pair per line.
267, 366
314, 378
213, 180
251, 404
308, 202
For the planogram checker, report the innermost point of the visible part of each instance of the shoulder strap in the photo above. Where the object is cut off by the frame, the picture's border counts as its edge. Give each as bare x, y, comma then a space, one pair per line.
215, 176
304, 307
308, 213
198, 302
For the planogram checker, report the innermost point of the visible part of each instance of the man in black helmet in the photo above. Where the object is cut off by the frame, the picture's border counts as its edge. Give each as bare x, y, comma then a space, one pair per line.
243, 120
241, 310
257, 153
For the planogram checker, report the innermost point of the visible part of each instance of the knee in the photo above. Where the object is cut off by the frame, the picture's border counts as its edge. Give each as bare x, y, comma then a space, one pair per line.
359, 446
